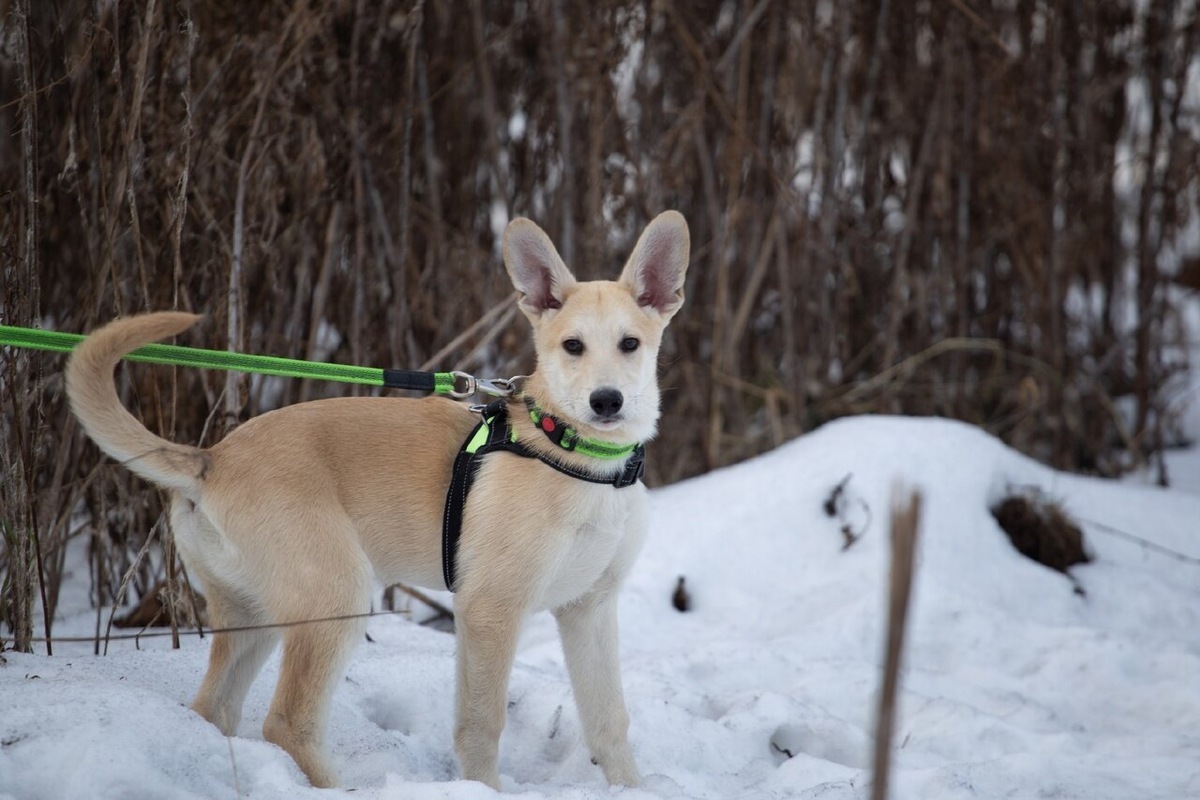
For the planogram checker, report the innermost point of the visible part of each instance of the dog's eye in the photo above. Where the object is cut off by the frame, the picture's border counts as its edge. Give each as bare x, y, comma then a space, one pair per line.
629, 344
573, 346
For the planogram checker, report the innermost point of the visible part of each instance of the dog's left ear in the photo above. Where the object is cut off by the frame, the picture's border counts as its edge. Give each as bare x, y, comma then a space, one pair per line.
536, 269
655, 272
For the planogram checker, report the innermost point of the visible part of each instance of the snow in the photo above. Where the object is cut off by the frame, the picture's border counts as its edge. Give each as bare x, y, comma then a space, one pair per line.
1014, 684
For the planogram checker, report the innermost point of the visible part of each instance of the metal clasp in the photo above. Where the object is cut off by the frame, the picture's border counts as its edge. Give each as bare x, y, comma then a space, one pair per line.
501, 387
466, 385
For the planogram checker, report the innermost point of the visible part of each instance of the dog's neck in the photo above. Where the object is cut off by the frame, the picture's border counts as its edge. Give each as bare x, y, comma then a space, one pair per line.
530, 419
568, 438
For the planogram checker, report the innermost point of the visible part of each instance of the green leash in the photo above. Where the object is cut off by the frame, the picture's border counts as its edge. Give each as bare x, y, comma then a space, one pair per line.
452, 384
457, 385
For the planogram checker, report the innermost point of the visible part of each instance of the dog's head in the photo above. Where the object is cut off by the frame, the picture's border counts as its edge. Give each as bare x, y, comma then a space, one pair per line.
597, 341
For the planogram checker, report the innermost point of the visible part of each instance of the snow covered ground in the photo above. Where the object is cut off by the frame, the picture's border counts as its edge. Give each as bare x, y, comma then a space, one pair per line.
1015, 684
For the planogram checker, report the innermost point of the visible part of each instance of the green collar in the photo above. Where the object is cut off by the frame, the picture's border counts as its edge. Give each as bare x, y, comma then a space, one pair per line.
569, 439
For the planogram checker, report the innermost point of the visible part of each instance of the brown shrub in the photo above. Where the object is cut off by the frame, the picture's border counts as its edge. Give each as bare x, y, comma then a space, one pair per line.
895, 207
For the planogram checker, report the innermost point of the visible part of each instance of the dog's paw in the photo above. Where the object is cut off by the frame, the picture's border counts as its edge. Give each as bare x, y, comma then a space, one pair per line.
620, 769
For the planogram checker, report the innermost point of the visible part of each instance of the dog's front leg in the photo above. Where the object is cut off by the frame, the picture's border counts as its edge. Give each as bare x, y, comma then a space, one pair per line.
487, 631
588, 628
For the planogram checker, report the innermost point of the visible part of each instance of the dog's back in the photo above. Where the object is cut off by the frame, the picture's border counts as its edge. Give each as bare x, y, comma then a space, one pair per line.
382, 463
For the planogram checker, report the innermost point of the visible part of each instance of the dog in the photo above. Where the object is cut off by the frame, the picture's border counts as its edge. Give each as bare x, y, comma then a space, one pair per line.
298, 513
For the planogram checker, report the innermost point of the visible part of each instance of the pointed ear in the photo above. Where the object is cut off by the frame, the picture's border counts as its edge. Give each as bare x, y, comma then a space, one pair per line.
657, 267
536, 269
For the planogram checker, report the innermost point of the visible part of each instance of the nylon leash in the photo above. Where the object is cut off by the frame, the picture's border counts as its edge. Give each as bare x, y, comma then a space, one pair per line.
457, 385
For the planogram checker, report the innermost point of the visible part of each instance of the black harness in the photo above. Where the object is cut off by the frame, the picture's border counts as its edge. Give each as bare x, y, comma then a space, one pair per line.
495, 433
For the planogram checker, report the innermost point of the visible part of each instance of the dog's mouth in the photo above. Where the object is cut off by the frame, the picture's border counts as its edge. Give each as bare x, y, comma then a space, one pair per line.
607, 423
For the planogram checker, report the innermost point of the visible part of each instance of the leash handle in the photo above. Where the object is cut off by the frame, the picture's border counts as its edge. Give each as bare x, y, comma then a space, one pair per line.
457, 385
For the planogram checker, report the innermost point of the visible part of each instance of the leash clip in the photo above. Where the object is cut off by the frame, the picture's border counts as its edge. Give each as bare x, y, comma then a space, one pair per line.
501, 387
466, 385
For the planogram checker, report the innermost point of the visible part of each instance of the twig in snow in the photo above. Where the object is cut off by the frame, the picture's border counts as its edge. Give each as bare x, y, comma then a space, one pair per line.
906, 517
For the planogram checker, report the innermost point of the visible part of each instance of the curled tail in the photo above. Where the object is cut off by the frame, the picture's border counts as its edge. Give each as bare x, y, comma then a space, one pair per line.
93, 396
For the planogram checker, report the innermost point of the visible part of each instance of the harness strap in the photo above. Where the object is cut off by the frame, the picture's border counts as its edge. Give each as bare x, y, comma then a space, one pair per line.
494, 432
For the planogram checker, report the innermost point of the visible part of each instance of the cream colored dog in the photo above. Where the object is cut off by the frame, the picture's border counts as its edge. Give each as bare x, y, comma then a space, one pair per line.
297, 513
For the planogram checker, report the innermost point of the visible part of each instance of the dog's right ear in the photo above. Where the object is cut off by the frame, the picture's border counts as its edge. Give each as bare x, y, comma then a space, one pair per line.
536, 269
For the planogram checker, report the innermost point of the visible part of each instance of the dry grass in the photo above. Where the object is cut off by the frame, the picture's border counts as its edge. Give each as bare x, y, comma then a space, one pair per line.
895, 207
1041, 530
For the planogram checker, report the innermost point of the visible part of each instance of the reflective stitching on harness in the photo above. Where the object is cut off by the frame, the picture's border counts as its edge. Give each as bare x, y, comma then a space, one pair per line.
456, 500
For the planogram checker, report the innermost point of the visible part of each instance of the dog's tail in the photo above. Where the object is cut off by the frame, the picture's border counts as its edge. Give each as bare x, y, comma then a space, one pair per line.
93, 396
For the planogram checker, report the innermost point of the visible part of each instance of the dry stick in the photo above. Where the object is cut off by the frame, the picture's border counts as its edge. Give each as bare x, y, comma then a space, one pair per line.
799, 365
143, 551
432, 184
720, 103
97, 569
743, 385
912, 202
237, 785
866, 109
903, 369
234, 322
835, 138
735, 44
771, 398
133, 131
599, 109
768, 89
469, 359
29, 143
975, 19
320, 293
234, 319
906, 517
1173, 150
487, 87
562, 99
399, 311
1146, 274
1055, 216
961, 265
357, 158
135, 233
1154, 547
202, 632
171, 589
808, 263
68, 74
443, 611
125, 184
179, 207
436, 359
740, 150
55, 522
758, 273
708, 182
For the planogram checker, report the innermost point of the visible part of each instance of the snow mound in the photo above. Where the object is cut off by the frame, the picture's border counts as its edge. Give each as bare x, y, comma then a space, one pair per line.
1018, 681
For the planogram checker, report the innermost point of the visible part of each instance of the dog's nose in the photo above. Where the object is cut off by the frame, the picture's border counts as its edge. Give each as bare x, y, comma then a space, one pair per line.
606, 402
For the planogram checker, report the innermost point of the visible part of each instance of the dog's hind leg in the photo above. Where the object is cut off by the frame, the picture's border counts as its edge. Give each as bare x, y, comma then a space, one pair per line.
588, 628
315, 653
236, 656
234, 661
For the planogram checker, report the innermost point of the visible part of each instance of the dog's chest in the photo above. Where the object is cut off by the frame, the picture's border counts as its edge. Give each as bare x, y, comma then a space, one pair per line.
601, 527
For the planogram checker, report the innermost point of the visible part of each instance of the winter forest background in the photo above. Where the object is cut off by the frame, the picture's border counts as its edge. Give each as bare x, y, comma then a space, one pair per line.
978, 209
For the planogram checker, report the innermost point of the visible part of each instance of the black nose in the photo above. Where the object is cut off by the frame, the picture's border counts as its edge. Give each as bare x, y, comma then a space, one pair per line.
606, 402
